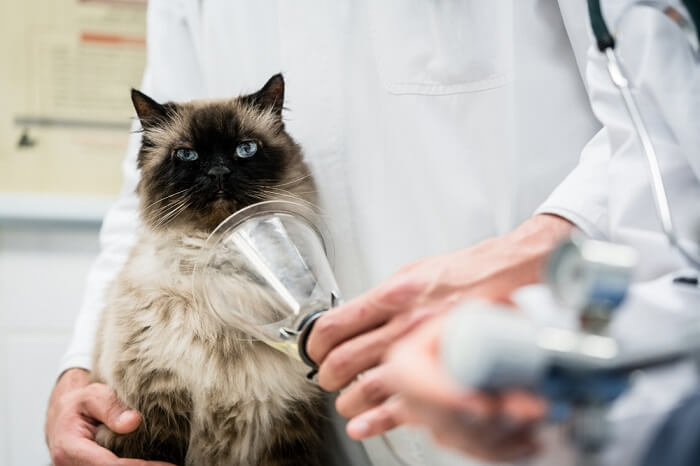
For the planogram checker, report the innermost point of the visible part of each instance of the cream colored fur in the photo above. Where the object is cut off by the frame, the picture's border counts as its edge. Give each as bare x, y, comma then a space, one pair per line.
151, 322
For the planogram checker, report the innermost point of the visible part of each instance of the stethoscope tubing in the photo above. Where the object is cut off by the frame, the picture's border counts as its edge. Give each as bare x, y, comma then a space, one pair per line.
606, 44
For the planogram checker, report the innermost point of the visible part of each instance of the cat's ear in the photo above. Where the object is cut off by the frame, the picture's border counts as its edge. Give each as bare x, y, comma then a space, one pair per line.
148, 110
272, 94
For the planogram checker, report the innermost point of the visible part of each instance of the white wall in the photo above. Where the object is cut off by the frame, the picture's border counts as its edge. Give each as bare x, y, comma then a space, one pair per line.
42, 271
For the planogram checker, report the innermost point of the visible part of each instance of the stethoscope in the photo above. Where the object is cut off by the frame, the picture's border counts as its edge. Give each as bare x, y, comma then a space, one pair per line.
606, 44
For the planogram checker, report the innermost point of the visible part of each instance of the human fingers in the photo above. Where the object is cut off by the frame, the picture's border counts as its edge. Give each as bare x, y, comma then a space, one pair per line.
356, 317
134, 462
397, 411
414, 368
72, 450
77, 451
98, 401
346, 361
483, 437
478, 442
520, 408
75, 409
370, 390
476, 409
378, 420
492, 424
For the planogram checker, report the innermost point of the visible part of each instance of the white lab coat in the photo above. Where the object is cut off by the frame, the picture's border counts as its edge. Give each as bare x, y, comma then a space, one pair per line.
615, 203
615, 199
429, 125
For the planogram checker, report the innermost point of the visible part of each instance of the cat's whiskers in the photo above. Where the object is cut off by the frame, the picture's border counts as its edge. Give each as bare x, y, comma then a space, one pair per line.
285, 192
170, 217
165, 197
159, 211
175, 209
174, 213
271, 192
313, 191
293, 182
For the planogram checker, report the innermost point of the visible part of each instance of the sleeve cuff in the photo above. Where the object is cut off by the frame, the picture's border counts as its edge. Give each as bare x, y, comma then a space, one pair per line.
74, 361
582, 198
589, 227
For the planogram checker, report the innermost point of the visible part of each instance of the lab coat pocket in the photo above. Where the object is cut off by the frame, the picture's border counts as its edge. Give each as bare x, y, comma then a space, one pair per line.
439, 47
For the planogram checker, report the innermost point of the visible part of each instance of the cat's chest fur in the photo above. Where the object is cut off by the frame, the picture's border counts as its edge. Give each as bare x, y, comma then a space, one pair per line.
157, 311
153, 332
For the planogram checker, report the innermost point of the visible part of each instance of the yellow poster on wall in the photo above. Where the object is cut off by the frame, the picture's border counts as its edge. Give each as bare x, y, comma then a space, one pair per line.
66, 69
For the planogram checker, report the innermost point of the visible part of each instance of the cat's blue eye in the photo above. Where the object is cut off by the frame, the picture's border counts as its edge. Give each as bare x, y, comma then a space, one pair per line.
246, 149
186, 155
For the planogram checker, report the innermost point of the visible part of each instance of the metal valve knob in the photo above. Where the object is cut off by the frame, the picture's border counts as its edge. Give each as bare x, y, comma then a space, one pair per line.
591, 277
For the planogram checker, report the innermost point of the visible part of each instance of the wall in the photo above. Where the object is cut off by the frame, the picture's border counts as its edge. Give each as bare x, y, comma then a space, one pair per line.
42, 270
53, 53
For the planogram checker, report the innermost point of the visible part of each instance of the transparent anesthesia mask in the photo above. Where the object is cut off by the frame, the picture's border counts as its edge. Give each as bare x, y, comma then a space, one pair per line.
266, 270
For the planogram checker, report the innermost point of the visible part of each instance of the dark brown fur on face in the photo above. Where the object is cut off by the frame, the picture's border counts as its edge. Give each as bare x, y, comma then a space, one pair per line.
202, 192
208, 395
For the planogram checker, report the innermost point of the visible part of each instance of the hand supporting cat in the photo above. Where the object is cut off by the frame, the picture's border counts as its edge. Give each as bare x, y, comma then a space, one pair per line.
75, 409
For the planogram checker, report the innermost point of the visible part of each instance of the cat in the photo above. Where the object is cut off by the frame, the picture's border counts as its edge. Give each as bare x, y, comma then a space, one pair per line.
207, 393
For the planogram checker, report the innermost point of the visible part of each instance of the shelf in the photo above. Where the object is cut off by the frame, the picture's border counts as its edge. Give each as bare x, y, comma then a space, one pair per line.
19, 207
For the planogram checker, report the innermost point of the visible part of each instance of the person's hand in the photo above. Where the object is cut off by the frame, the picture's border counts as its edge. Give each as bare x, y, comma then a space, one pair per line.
352, 338
76, 408
487, 426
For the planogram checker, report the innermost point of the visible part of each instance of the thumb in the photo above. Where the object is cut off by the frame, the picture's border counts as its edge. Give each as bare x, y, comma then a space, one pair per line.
99, 402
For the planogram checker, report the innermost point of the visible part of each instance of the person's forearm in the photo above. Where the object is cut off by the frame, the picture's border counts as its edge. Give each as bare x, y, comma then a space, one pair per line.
518, 258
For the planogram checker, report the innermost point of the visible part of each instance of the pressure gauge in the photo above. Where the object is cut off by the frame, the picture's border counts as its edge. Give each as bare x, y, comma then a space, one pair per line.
591, 277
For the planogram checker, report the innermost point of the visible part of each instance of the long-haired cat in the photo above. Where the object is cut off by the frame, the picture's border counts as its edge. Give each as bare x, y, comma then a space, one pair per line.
208, 395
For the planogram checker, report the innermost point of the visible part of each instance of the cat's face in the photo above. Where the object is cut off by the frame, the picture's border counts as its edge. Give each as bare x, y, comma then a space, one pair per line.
202, 161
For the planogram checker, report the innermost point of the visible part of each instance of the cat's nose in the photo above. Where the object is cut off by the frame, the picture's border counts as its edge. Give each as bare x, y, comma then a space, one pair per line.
218, 171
